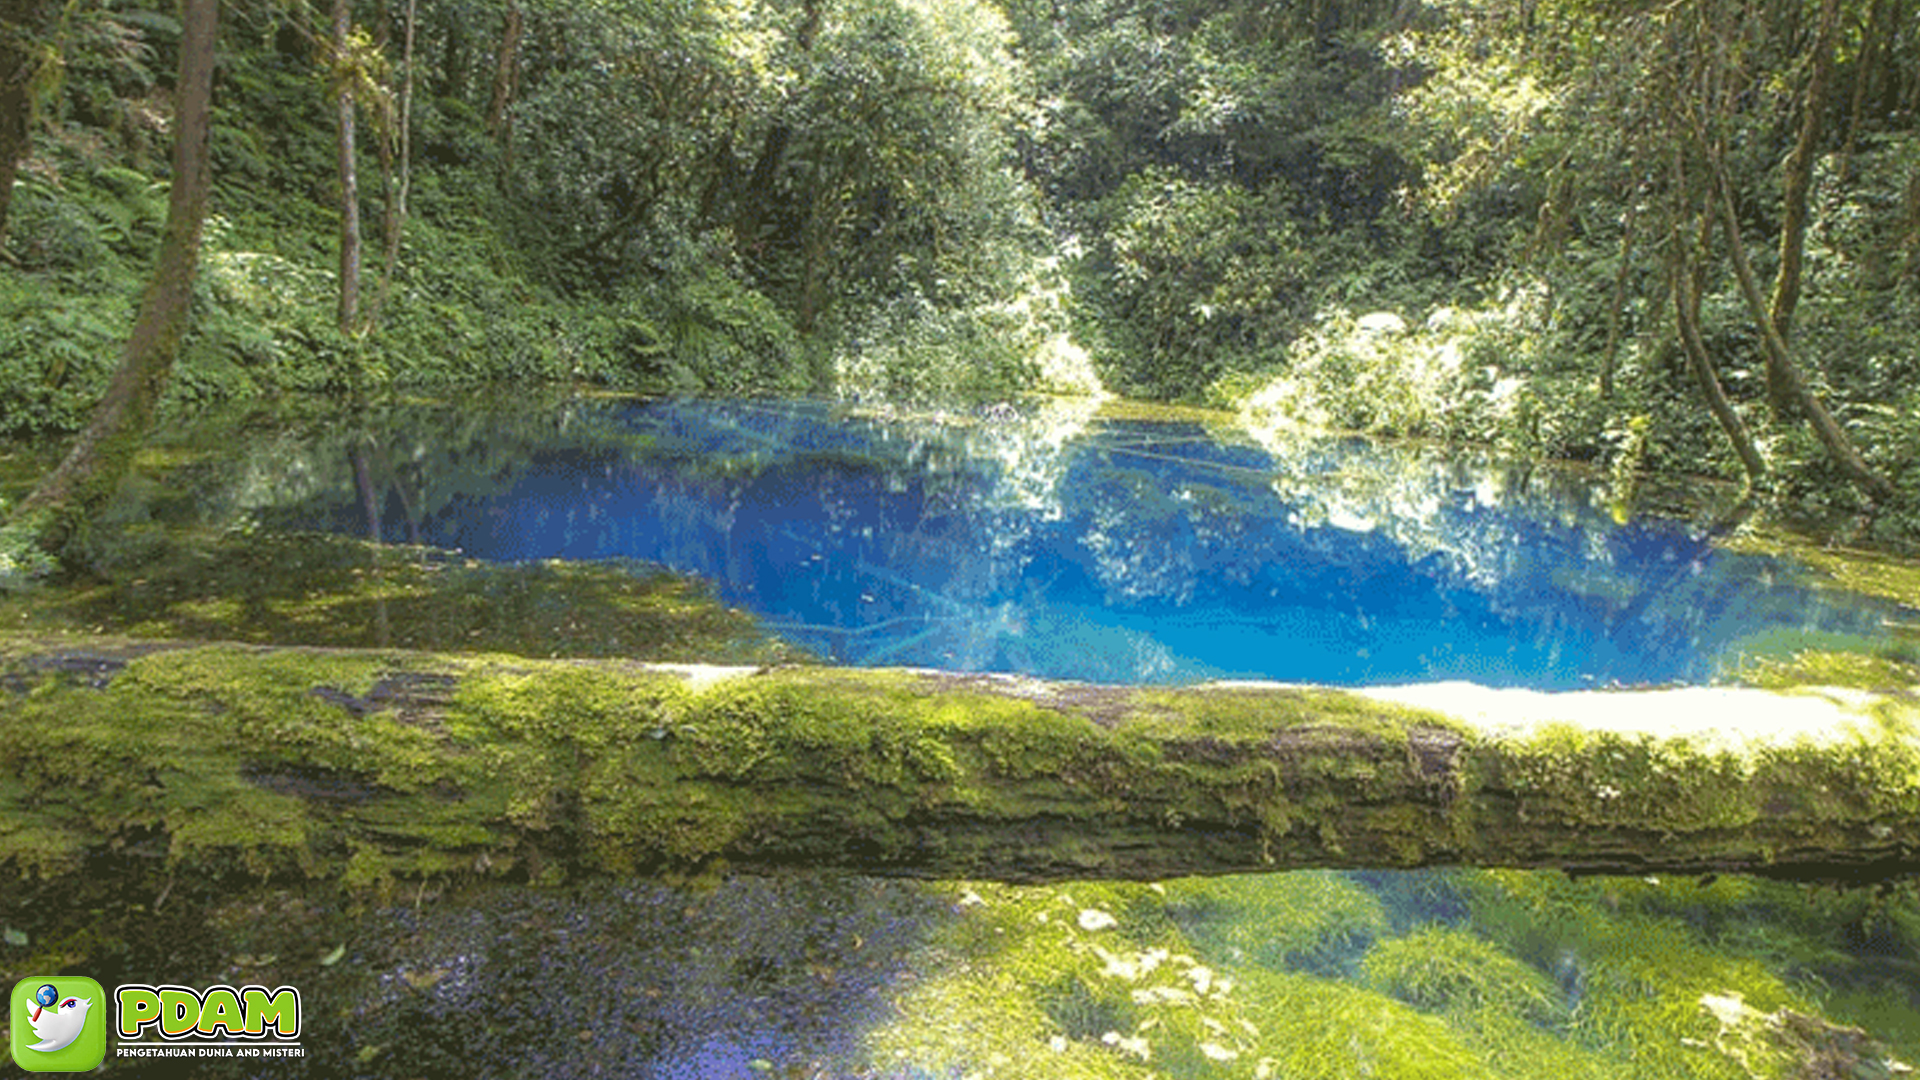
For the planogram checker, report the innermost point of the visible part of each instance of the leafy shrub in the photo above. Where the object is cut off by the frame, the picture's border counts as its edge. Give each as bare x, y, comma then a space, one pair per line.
56, 351
1482, 376
1195, 278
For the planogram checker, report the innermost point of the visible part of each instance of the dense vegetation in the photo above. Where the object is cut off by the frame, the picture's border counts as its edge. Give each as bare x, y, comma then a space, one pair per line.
1677, 237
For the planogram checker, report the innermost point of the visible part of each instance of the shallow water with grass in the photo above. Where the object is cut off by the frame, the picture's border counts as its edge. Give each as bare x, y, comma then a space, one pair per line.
1045, 539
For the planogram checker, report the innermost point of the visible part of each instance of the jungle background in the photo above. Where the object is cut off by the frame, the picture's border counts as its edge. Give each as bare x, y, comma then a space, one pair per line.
1545, 225
1681, 238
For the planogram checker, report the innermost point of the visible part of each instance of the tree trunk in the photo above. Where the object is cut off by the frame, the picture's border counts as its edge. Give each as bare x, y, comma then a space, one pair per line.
349, 311
1873, 43
16, 113
1832, 436
368, 766
396, 208
75, 491
20, 61
1686, 317
1797, 184
506, 74
759, 200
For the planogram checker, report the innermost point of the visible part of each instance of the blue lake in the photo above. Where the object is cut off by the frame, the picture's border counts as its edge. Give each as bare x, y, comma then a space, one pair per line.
1047, 540
1052, 540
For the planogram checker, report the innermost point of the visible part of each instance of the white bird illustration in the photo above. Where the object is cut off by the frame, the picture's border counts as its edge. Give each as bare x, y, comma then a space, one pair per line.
58, 1026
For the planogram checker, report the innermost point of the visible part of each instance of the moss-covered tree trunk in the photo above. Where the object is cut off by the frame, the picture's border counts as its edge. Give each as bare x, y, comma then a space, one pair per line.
83, 482
22, 58
366, 767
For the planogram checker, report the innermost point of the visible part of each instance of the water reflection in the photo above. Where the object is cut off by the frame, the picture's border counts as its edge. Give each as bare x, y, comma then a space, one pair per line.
1050, 542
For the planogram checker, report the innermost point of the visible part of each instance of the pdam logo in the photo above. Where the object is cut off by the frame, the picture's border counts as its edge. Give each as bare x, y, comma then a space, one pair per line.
220, 1021
58, 1023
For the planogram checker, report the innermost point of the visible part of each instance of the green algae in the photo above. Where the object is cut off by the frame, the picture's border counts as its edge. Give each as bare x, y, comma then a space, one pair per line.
1098, 981
1871, 573
1892, 667
1439, 968
1654, 989
1316, 921
311, 589
1314, 1028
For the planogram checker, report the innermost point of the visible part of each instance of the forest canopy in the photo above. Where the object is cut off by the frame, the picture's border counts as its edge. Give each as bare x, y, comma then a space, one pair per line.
1669, 237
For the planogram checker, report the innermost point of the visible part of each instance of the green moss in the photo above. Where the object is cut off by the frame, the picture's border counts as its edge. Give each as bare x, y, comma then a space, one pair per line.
1308, 920
1872, 573
307, 589
1817, 667
1695, 785
1247, 714
1602, 777
1438, 969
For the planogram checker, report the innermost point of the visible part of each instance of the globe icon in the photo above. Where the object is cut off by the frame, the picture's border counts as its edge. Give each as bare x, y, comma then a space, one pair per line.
46, 995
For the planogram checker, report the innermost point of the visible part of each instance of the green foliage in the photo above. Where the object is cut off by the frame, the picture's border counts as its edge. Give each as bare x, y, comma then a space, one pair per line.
900, 197
1472, 375
1202, 278
701, 328
55, 351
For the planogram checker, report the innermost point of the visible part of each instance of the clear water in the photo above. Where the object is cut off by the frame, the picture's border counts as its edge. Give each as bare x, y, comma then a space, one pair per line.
1049, 542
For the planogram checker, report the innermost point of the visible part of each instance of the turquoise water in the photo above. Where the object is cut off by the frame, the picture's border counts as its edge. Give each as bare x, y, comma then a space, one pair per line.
1047, 540
1055, 544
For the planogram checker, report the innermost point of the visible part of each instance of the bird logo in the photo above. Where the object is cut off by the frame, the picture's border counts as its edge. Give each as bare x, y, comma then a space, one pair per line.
57, 1025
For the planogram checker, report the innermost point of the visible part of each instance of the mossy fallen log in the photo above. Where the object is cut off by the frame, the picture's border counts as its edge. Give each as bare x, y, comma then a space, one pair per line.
368, 767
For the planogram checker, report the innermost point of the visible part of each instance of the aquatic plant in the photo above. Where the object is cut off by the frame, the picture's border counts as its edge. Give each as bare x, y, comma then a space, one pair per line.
1309, 921
1440, 969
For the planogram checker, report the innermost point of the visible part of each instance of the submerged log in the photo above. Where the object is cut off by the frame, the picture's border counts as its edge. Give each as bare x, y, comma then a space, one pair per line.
368, 767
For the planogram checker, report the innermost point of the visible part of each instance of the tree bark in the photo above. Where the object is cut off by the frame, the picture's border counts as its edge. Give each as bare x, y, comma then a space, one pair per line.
506, 75
1686, 317
349, 310
21, 21
1873, 43
1797, 184
75, 491
378, 765
760, 198
402, 141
